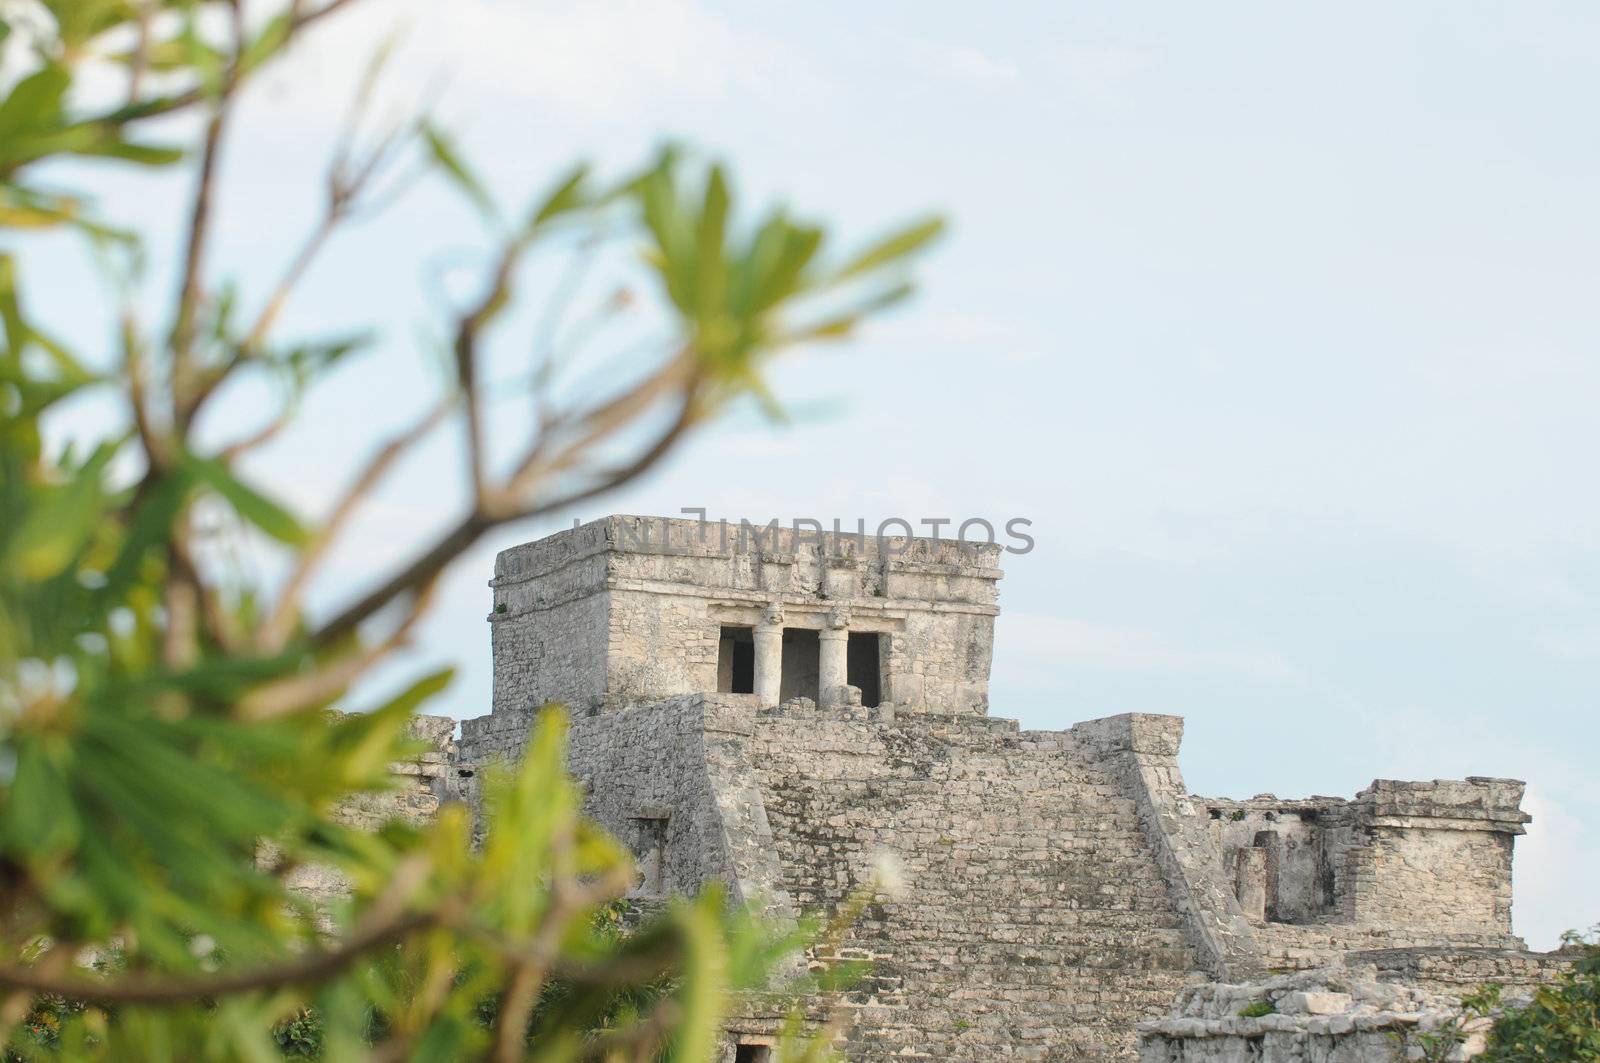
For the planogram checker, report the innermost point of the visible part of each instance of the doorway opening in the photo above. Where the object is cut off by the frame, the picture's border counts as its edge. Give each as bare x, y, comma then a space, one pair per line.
736, 661
802, 664
864, 666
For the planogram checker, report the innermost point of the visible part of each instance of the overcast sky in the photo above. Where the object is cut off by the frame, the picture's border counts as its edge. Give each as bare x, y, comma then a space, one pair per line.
1279, 322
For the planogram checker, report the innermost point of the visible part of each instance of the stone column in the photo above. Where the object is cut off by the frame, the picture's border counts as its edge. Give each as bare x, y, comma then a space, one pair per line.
769, 655
833, 660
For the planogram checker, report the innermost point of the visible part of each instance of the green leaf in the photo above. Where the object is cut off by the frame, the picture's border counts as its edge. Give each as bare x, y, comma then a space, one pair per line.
842, 325
40, 819
892, 248
148, 530
252, 505
702, 991
568, 195
129, 151
445, 155
56, 529
33, 103
797, 247
711, 270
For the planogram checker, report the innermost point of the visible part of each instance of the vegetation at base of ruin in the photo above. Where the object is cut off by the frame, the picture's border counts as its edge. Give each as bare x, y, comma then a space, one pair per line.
163, 703
1561, 1023
1257, 1008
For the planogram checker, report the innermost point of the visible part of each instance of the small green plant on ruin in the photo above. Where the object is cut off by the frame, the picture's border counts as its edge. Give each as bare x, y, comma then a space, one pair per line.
1257, 1008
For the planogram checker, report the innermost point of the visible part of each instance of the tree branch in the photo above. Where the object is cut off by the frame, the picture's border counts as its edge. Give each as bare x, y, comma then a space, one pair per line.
294, 693
186, 390
143, 989
468, 331
461, 537
139, 110
275, 633
681, 373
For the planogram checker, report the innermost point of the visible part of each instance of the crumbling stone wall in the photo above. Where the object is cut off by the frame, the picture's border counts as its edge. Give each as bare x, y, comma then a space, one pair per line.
1388, 1006
1458, 971
548, 628
1416, 862
1334, 1015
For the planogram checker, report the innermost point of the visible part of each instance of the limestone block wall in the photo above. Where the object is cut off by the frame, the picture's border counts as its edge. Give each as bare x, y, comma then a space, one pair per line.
1418, 862
1333, 1015
1143, 749
1436, 854
1456, 972
549, 647
660, 645
1286, 854
681, 763
628, 610
1034, 921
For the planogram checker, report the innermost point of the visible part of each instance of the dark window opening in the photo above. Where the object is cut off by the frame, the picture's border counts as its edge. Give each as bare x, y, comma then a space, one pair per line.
752, 1054
863, 666
736, 661
802, 664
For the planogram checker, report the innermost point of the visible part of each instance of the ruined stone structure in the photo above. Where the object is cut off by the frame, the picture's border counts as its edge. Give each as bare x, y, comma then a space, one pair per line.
778, 712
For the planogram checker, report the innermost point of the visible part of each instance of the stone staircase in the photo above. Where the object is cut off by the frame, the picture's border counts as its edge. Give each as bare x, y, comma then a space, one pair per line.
1034, 922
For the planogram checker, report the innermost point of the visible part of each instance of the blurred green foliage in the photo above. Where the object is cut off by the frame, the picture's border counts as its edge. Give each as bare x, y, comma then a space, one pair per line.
164, 717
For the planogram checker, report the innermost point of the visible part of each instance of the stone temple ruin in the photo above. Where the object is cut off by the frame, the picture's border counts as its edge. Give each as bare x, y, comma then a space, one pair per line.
778, 716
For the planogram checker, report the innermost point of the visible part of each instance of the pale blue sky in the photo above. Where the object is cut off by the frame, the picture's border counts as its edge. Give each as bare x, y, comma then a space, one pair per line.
1278, 321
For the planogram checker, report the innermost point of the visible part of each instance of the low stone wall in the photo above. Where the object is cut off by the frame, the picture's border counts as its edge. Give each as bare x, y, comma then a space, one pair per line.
1456, 971
1330, 1015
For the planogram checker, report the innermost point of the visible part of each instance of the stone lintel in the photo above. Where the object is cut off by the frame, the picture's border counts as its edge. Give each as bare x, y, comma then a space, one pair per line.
1478, 803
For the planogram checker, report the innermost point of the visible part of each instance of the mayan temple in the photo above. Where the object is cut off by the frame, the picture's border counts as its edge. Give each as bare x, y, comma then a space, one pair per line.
780, 714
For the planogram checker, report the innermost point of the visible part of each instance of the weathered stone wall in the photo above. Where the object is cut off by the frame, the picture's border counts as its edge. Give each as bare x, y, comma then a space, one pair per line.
1284, 854
1420, 862
684, 760
628, 609
1143, 749
1322, 1016
1437, 854
549, 638
1385, 1011
1456, 972
1035, 923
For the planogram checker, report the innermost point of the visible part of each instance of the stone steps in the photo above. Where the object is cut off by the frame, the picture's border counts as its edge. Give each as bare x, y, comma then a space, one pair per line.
1035, 922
